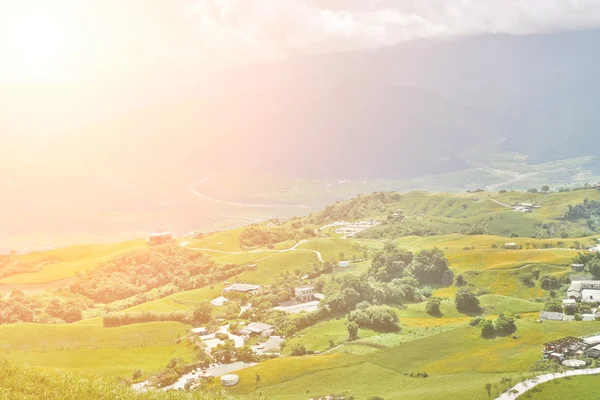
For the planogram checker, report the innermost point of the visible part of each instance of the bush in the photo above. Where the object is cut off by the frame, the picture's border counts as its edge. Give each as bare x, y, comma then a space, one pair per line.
299, 350
476, 321
466, 300
380, 318
505, 324
114, 320
433, 307
487, 328
460, 280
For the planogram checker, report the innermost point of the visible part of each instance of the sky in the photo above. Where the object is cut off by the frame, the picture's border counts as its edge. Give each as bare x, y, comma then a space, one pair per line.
97, 41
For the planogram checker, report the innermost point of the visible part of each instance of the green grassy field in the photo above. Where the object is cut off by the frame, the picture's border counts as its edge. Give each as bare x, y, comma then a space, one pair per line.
453, 354
573, 387
459, 357
88, 347
68, 261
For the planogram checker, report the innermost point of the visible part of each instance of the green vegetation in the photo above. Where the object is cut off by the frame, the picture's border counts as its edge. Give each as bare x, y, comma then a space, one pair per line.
573, 387
447, 310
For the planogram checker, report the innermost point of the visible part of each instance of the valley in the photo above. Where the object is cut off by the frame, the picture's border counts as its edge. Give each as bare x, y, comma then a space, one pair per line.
505, 258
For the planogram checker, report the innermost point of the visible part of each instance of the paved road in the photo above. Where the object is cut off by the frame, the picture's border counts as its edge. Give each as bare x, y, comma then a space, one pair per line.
238, 340
524, 386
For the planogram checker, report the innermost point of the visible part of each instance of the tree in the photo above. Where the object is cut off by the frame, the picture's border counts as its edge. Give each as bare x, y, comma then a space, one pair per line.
545, 188
554, 305
505, 324
245, 354
352, 330
299, 350
460, 280
594, 267
389, 263
202, 313
466, 300
429, 266
548, 282
433, 307
72, 314
487, 328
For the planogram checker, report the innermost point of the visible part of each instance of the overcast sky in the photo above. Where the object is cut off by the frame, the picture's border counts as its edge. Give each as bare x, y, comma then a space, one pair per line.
114, 40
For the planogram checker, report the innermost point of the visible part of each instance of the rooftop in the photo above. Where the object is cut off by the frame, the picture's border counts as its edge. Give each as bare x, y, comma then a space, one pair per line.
219, 301
552, 316
242, 287
258, 327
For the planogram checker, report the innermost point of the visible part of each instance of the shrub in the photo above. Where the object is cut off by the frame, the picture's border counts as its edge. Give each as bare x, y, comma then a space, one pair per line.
466, 300
433, 307
487, 328
299, 350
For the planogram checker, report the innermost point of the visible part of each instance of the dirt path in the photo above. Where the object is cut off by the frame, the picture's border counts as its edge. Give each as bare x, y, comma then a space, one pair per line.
502, 204
273, 252
524, 386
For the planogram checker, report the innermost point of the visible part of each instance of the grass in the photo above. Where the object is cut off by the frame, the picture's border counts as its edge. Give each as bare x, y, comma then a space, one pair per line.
268, 268
330, 248
68, 261
87, 347
317, 337
573, 387
225, 241
459, 357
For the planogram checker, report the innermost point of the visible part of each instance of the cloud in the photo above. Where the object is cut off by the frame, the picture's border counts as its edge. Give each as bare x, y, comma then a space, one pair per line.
266, 27
138, 39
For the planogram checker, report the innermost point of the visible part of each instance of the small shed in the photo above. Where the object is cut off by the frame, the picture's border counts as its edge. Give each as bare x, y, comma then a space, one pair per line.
219, 301
344, 264
200, 331
511, 246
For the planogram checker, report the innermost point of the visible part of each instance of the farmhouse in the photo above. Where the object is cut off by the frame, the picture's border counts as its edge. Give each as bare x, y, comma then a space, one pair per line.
242, 288
567, 346
156, 239
551, 316
344, 264
219, 301
586, 291
258, 328
511, 246
304, 294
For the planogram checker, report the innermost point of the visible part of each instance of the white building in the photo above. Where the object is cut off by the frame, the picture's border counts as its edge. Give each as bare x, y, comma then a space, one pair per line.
304, 294
219, 301
242, 288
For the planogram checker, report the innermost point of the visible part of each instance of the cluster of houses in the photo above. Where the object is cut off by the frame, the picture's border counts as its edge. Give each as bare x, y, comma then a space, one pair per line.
349, 229
583, 289
566, 349
525, 207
